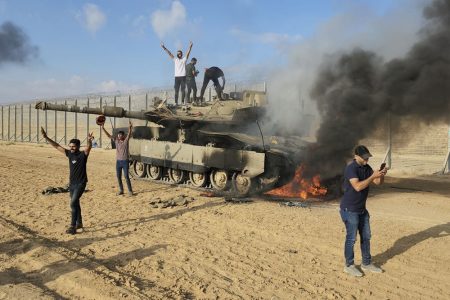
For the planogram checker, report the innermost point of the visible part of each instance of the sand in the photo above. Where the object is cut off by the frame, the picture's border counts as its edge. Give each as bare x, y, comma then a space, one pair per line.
209, 248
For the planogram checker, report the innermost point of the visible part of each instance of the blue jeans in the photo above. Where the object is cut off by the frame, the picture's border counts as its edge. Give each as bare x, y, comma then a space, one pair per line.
76, 190
356, 222
123, 165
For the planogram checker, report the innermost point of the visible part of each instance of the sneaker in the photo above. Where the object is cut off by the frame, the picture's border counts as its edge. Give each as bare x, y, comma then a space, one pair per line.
71, 230
119, 193
79, 228
372, 268
130, 194
352, 270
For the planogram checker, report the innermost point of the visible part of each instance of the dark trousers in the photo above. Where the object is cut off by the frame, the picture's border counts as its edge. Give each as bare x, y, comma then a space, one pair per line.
191, 85
123, 165
354, 223
180, 82
76, 191
206, 80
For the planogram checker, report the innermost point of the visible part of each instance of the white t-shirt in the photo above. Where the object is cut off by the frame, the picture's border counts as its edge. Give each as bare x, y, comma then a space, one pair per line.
180, 66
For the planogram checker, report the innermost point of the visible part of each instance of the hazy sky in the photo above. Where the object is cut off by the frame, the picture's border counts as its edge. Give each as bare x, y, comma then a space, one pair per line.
73, 47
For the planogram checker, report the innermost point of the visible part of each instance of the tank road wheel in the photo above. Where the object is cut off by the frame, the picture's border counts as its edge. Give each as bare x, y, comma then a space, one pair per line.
197, 179
176, 175
242, 184
154, 172
139, 169
219, 180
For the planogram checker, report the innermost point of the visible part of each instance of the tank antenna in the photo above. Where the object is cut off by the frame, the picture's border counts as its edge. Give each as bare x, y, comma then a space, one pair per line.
262, 136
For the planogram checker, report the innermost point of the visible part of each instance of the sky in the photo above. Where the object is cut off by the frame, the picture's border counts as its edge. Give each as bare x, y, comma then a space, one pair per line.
75, 47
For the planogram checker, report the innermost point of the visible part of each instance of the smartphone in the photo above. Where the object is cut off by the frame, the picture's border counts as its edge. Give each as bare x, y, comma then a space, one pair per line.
382, 166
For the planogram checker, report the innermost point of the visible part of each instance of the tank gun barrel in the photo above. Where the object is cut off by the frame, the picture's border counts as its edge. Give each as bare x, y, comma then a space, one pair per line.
108, 111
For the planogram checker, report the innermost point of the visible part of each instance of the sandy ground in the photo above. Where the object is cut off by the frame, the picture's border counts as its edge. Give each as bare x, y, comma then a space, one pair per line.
209, 249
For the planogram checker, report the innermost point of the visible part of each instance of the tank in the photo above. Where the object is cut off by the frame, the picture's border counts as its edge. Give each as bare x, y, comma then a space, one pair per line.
219, 146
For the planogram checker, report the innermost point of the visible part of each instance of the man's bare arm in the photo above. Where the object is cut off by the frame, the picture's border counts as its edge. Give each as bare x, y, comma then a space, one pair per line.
189, 50
88, 148
106, 132
52, 142
361, 185
130, 128
167, 51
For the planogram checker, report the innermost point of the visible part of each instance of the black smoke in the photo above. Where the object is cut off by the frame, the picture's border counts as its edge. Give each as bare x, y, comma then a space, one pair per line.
356, 90
15, 45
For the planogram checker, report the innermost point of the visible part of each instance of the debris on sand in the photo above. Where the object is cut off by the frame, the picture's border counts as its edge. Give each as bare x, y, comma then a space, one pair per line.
181, 200
55, 190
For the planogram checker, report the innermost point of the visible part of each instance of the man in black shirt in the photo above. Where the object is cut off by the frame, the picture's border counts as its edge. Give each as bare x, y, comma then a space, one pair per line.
213, 73
358, 175
78, 176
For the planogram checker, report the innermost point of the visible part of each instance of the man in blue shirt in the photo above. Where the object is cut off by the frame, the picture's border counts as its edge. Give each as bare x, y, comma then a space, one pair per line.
358, 175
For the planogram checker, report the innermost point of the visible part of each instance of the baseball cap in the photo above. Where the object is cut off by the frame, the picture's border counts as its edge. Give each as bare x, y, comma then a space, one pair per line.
363, 152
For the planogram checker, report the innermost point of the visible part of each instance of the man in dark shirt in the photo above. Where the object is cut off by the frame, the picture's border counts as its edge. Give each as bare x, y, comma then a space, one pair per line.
191, 73
358, 175
213, 73
122, 161
78, 176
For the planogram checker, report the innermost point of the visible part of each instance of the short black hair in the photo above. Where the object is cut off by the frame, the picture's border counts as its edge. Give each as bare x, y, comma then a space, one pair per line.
76, 142
121, 132
193, 59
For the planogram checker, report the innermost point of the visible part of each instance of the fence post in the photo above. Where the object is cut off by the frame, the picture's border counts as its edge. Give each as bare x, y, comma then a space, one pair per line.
46, 123
15, 123
37, 126
114, 106
9, 121
99, 127
56, 126
21, 122
29, 123
2, 122
65, 124
146, 101
87, 119
76, 120
129, 106
209, 92
235, 88
265, 87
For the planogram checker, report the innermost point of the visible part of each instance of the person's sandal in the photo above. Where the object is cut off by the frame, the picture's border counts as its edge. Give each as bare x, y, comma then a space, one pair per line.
79, 228
71, 230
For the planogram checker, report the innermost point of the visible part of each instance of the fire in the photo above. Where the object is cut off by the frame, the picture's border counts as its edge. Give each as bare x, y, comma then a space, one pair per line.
300, 187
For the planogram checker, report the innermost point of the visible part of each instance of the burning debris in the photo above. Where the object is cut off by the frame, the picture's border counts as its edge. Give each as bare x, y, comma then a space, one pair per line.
300, 187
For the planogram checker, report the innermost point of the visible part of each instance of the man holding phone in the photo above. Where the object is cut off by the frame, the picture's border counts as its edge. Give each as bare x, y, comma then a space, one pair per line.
358, 175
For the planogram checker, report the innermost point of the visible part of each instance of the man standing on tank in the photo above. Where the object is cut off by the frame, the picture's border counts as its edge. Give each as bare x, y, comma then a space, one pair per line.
213, 74
78, 176
358, 175
122, 161
191, 73
180, 70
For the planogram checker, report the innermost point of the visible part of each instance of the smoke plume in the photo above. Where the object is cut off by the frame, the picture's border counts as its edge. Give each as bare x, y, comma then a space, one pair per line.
15, 46
354, 91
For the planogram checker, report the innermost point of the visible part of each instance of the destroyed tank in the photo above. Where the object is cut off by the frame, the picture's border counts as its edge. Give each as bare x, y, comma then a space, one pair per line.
218, 146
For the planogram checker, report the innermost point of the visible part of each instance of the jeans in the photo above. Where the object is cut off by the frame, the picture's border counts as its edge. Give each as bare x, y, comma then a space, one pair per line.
180, 82
76, 190
356, 222
217, 86
123, 165
191, 85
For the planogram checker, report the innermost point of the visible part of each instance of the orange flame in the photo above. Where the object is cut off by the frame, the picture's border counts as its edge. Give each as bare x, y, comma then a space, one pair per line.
300, 187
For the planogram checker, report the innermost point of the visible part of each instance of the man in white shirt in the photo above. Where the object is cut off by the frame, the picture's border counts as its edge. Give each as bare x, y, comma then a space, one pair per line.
180, 71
